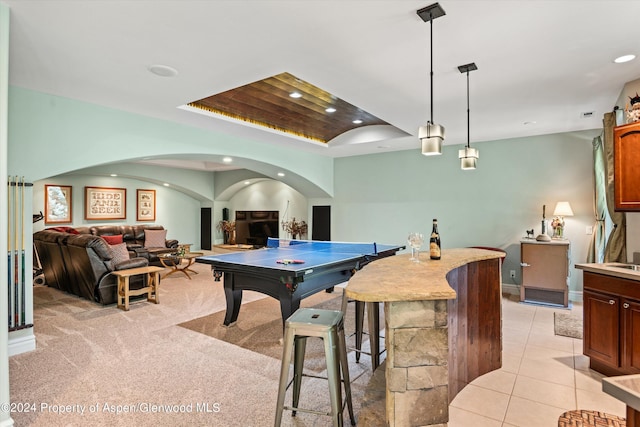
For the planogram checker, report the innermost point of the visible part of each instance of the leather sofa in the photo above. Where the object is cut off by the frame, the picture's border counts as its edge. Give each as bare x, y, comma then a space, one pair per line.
81, 264
133, 236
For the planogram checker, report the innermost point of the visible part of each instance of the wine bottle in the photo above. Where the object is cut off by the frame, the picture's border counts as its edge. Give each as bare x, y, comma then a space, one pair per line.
434, 241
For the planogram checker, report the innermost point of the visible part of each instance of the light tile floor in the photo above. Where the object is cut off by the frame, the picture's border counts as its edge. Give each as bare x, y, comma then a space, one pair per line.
542, 376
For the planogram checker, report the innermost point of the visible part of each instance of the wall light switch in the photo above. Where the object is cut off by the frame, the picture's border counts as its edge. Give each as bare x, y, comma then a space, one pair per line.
589, 229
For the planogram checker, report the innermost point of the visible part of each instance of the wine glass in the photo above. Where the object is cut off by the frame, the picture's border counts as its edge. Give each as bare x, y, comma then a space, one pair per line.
416, 244
410, 241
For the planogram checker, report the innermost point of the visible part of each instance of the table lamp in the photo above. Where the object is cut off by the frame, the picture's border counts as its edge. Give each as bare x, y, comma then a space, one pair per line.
562, 209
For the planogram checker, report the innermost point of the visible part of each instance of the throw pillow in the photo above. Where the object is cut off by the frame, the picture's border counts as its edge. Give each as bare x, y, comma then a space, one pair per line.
113, 240
119, 253
155, 238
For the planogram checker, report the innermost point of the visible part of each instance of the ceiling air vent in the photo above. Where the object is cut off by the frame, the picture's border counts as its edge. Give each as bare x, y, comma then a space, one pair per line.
588, 114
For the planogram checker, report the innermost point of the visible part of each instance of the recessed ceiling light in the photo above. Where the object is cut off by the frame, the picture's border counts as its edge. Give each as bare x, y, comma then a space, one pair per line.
163, 70
330, 110
166, 184
357, 121
624, 58
532, 122
247, 182
227, 159
114, 174
280, 173
295, 95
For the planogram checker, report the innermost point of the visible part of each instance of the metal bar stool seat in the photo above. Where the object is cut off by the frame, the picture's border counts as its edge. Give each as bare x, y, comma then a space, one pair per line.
329, 326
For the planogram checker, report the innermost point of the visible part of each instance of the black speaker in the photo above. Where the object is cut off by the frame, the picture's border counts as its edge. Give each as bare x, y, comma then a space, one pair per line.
225, 214
205, 228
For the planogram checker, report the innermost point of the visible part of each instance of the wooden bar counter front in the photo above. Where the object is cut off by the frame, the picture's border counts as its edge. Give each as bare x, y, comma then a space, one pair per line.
443, 330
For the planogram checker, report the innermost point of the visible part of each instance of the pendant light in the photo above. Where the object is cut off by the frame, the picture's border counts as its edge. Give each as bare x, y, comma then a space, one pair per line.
468, 156
431, 135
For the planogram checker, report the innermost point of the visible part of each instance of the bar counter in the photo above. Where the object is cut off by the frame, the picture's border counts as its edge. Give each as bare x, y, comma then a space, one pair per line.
443, 330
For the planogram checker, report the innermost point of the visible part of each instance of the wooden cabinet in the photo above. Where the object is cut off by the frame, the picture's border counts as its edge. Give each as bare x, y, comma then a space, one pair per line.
626, 152
612, 324
545, 272
601, 327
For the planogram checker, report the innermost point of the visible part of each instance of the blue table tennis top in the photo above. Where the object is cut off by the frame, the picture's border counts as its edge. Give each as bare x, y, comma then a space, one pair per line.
313, 253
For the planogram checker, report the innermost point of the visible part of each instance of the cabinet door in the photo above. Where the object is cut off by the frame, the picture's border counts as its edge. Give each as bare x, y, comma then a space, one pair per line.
626, 152
547, 266
601, 327
630, 338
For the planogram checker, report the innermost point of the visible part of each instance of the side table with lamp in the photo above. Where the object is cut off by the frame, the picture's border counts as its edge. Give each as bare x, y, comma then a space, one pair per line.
545, 264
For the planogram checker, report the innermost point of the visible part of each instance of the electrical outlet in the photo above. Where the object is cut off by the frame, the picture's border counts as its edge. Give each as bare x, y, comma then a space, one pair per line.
589, 229
512, 274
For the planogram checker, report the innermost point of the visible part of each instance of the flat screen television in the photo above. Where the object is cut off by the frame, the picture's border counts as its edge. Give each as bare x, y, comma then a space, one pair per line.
254, 227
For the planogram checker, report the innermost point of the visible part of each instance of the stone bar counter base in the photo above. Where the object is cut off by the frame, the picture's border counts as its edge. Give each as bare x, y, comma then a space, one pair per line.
443, 330
417, 382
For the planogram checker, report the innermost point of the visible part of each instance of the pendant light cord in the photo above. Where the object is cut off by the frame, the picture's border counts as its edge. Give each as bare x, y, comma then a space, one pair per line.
468, 114
431, 65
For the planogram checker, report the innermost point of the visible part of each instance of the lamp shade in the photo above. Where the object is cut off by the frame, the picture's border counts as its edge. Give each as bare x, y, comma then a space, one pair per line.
563, 209
468, 158
431, 137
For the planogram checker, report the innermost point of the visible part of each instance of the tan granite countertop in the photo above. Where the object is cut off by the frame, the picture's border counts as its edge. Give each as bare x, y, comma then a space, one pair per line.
614, 269
396, 278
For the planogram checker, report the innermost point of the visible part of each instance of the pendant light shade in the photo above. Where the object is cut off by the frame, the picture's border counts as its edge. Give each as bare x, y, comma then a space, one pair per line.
431, 135
468, 156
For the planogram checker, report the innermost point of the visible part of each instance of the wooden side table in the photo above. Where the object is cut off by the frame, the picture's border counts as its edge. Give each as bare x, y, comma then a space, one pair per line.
174, 262
545, 272
153, 281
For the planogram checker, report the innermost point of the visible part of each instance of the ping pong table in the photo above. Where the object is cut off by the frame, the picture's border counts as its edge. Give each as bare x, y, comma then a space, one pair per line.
290, 272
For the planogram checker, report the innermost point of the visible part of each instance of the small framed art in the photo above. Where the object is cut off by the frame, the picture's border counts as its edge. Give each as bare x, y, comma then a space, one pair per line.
146, 205
105, 203
57, 204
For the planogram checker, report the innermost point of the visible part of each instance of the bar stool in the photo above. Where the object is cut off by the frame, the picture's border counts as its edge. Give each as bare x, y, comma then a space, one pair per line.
328, 325
373, 317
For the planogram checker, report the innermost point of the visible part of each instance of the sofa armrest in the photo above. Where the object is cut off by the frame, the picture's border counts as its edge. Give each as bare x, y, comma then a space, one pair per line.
141, 253
131, 246
171, 243
132, 263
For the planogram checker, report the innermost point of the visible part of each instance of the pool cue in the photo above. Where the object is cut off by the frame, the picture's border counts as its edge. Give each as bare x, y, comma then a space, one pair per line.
9, 250
16, 251
23, 319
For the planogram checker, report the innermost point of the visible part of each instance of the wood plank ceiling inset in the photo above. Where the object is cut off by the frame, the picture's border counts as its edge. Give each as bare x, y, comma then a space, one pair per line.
267, 103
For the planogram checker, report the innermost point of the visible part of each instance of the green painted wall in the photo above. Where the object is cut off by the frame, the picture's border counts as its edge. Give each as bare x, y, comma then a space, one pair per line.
51, 135
379, 197
383, 197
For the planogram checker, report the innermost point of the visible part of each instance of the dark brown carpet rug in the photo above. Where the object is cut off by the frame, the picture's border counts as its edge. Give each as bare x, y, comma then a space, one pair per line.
259, 327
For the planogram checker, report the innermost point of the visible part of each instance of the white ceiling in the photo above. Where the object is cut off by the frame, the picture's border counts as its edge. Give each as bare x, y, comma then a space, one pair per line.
538, 61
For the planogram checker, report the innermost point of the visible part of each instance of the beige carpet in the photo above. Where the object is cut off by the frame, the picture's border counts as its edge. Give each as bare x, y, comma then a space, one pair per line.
567, 325
259, 327
106, 361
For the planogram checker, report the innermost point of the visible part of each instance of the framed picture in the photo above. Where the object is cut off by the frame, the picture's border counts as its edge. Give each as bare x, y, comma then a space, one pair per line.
105, 203
57, 204
146, 205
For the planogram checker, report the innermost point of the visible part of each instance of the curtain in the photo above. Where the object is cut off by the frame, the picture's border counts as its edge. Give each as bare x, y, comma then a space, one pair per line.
616, 249
599, 239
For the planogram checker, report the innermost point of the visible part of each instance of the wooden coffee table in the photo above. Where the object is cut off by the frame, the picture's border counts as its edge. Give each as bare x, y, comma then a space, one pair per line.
175, 263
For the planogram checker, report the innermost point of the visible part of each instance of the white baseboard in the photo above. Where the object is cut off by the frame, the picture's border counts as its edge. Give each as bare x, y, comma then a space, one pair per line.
21, 341
7, 423
511, 289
